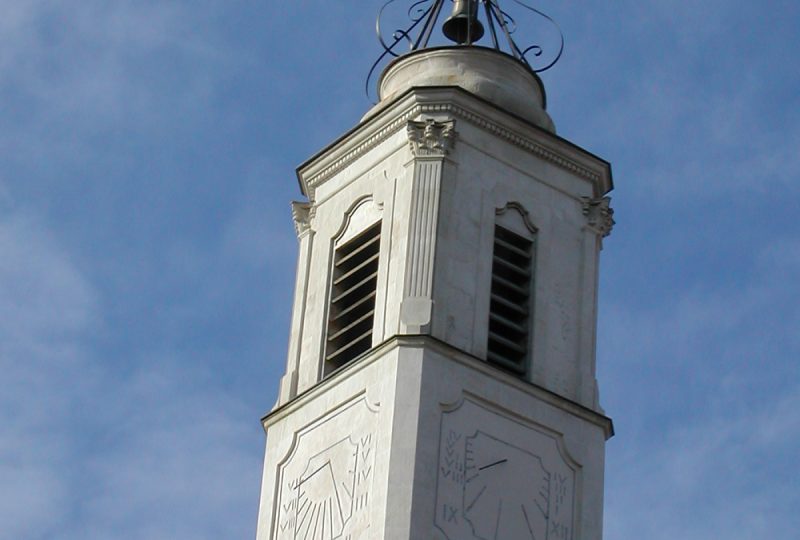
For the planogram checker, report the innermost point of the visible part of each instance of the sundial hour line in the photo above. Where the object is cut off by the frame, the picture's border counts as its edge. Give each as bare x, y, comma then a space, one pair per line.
493, 464
307, 478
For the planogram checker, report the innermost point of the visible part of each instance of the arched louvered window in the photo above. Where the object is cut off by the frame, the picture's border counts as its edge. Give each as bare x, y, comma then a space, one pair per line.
352, 300
510, 304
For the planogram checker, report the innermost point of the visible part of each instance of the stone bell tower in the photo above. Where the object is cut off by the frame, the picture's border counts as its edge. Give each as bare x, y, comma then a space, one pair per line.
440, 381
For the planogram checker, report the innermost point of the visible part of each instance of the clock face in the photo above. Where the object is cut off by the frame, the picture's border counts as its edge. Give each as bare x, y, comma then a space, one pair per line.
499, 479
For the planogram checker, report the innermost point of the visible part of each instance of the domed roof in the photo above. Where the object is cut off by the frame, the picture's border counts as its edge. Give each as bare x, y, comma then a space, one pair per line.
499, 74
494, 76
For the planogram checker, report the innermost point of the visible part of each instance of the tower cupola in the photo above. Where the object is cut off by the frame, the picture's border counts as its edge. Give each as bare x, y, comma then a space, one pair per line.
485, 59
440, 376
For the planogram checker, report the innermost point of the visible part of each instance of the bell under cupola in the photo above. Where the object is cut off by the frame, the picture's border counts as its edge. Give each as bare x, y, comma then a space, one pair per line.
440, 380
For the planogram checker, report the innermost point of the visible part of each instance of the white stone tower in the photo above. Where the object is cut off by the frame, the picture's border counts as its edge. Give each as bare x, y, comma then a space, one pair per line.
440, 381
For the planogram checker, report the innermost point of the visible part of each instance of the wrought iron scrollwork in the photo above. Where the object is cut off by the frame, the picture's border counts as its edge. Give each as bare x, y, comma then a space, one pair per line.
424, 15
537, 47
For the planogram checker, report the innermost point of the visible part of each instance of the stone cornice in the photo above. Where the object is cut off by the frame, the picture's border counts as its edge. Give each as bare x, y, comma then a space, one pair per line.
318, 177
525, 143
424, 341
395, 116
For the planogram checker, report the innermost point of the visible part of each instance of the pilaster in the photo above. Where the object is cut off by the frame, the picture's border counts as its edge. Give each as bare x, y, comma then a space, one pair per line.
430, 141
305, 235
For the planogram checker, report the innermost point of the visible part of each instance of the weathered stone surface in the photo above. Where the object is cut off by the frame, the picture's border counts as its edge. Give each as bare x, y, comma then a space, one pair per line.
486, 73
420, 437
419, 440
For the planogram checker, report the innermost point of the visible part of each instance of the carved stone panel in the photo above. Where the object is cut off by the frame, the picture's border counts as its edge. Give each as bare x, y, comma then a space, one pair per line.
325, 483
502, 479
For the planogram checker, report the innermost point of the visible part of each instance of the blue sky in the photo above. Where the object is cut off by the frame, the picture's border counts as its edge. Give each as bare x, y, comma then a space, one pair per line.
147, 155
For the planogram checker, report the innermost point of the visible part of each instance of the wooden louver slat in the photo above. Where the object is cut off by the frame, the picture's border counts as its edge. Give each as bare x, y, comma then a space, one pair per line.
502, 302
369, 314
498, 282
339, 355
357, 270
370, 244
507, 322
354, 289
524, 272
511, 247
352, 305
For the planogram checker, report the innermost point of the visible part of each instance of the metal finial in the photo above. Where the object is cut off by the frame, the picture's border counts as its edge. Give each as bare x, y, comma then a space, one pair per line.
464, 27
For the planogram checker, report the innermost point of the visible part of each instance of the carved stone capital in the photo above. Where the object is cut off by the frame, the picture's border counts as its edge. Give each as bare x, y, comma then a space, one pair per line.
599, 214
431, 138
301, 213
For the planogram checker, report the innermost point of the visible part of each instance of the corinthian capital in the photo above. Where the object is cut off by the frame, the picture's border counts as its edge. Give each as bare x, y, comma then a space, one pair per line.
599, 214
431, 138
301, 213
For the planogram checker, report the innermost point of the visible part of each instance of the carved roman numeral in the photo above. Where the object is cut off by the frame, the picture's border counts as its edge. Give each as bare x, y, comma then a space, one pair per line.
450, 513
362, 500
363, 475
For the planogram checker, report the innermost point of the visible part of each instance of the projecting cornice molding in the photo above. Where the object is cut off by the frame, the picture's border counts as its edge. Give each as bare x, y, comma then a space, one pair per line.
379, 354
599, 214
385, 123
431, 138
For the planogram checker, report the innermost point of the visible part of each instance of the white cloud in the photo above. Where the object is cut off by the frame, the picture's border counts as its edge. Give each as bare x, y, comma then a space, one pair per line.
92, 446
175, 459
91, 450
46, 309
683, 103
264, 240
72, 74
716, 475
705, 397
764, 297
44, 297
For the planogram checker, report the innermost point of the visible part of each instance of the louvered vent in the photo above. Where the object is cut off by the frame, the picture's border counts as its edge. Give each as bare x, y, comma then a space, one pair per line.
352, 309
508, 310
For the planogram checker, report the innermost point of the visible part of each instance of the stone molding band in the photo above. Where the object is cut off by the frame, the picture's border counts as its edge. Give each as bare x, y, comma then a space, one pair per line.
405, 118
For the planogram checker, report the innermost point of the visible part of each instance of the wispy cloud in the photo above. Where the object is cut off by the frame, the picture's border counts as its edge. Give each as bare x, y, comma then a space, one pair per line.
74, 75
86, 450
682, 107
174, 451
47, 309
705, 393
146, 253
95, 436
716, 475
